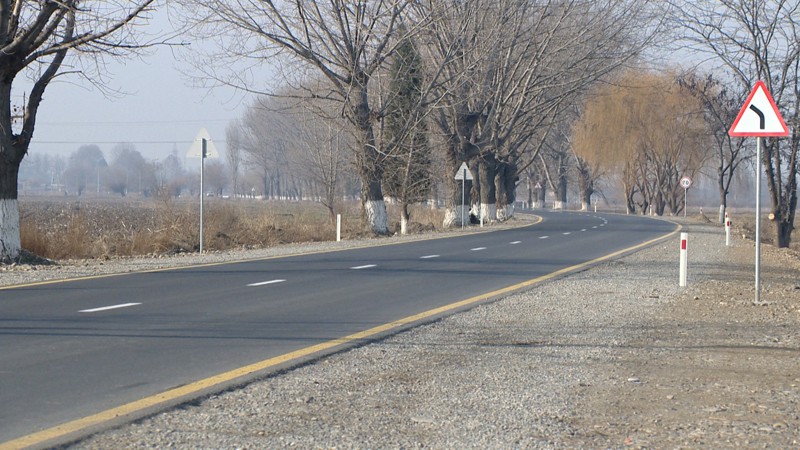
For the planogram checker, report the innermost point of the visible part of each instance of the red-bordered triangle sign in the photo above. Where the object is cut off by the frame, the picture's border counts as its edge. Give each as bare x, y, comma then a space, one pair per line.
759, 116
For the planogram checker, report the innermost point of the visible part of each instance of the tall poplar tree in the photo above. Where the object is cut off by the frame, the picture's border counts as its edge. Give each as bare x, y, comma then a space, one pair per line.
407, 176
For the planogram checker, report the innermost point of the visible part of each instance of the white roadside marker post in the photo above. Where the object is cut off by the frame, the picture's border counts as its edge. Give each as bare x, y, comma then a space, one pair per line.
727, 231
684, 258
338, 227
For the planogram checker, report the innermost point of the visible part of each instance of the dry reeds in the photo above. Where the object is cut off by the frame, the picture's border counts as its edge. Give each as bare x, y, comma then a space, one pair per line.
65, 229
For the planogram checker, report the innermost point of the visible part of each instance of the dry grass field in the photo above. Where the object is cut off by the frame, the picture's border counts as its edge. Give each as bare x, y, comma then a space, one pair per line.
105, 227
61, 228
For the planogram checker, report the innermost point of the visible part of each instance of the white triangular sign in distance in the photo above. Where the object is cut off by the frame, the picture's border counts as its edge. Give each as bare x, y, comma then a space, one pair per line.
463, 173
197, 146
759, 116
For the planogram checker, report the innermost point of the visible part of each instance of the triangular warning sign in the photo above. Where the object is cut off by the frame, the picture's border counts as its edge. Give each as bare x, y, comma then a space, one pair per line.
196, 148
759, 116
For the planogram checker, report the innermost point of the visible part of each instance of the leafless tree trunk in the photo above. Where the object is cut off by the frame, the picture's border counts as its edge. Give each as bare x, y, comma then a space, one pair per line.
346, 42
36, 38
720, 107
233, 155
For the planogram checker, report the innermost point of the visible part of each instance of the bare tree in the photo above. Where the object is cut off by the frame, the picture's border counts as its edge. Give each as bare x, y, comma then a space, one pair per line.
757, 40
720, 107
346, 42
262, 135
36, 39
216, 177
233, 154
407, 169
84, 168
646, 129
522, 62
320, 155
126, 169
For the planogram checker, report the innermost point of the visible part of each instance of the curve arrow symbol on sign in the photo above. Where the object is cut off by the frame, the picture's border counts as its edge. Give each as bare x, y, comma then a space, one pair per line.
762, 120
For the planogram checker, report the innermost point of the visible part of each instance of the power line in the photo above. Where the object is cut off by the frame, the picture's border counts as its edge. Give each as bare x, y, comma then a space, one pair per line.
34, 142
136, 122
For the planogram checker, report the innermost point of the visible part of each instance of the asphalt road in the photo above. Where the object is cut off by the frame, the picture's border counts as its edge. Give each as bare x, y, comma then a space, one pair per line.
73, 349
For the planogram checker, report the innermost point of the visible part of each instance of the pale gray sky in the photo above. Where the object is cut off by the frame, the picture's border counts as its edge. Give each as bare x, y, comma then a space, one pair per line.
159, 112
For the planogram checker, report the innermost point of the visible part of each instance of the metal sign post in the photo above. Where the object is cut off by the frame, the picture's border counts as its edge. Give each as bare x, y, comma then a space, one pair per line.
202, 147
686, 183
758, 220
202, 164
759, 117
463, 198
463, 174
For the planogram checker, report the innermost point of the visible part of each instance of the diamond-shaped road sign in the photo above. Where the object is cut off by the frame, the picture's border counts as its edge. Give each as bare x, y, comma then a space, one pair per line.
759, 116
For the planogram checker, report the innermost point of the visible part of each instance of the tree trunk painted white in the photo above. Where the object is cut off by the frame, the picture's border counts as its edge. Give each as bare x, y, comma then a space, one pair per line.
489, 212
10, 245
722, 214
452, 217
502, 214
505, 213
558, 204
376, 216
403, 226
584, 205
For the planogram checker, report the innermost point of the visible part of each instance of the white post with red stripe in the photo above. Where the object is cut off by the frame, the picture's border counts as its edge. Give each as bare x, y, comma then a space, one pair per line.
727, 230
684, 258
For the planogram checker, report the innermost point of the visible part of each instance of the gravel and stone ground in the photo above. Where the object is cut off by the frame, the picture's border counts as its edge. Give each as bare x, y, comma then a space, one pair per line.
617, 356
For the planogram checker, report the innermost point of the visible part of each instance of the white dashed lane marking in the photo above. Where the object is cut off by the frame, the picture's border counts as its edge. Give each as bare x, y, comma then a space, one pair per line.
108, 308
264, 283
368, 266
429, 257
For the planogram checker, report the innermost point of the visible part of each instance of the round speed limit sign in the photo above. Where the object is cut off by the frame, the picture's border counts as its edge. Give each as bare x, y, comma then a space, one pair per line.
686, 182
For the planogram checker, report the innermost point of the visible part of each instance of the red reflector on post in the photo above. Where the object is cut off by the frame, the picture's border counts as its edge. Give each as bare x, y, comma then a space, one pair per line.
683, 244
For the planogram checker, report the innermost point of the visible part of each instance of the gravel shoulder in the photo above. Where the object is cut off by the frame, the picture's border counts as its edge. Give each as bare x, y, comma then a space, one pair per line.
616, 356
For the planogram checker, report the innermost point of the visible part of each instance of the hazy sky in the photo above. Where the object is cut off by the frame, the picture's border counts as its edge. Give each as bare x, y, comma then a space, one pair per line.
160, 112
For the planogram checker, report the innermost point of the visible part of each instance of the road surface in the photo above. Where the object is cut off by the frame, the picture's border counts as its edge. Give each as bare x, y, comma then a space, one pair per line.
74, 349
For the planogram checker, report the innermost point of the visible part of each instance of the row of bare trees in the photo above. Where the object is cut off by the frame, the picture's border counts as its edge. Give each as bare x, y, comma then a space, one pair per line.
492, 79
649, 132
497, 82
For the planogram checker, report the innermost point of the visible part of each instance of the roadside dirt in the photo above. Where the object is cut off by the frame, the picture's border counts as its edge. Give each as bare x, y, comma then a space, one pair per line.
714, 370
